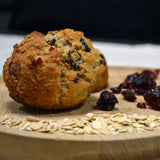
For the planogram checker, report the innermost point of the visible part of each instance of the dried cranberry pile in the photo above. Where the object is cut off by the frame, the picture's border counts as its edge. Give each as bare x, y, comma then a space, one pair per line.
141, 84
107, 101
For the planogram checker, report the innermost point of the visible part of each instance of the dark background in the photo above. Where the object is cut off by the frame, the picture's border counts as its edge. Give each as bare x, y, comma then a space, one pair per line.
124, 21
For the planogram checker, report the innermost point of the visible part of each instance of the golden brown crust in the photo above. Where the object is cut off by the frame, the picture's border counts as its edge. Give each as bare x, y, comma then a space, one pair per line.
102, 81
53, 71
28, 82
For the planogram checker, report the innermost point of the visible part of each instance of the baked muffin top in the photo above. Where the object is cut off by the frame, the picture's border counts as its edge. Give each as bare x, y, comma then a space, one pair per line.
52, 71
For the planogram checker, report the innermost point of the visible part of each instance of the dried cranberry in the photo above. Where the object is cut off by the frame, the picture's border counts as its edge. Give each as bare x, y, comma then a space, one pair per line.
14, 69
150, 74
129, 95
156, 73
37, 62
107, 101
51, 42
103, 60
51, 48
52, 34
129, 80
143, 83
152, 97
117, 89
9, 68
87, 49
18, 68
76, 79
75, 58
139, 91
141, 105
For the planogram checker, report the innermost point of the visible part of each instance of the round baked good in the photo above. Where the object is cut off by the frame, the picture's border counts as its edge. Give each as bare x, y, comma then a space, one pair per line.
53, 71
102, 81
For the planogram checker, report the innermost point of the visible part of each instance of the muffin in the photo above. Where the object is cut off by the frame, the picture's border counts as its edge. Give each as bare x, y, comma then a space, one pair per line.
54, 71
102, 81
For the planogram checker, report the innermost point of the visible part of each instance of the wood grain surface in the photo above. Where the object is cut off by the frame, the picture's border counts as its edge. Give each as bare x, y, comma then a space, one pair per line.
17, 145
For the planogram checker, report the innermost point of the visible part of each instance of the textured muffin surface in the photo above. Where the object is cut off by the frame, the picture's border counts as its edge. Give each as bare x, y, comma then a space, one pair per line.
102, 81
53, 71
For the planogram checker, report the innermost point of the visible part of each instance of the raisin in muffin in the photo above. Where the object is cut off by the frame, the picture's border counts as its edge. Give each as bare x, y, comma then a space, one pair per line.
53, 71
102, 81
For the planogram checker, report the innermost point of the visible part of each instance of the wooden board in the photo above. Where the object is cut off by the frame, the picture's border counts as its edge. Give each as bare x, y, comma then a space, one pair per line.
16, 144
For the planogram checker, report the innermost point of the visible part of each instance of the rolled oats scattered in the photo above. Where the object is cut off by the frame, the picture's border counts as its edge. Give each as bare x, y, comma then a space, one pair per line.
36, 126
106, 115
99, 123
136, 125
28, 128
67, 127
157, 124
139, 117
123, 130
55, 127
91, 124
44, 130
129, 129
111, 128
152, 118
140, 130
68, 123
4, 118
66, 119
148, 128
79, 132
66, 131
88, 129
79, 123
90, 115
32, 119
117, 126
151, 124
104, 131
15, 123
115, 133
